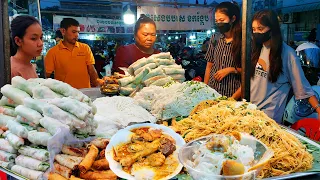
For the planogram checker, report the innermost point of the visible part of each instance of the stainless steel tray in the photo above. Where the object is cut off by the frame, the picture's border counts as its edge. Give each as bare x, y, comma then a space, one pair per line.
301, 174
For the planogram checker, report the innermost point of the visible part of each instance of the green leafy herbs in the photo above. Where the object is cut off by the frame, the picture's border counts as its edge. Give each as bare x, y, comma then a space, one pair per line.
179, 118
315, 152
230, 156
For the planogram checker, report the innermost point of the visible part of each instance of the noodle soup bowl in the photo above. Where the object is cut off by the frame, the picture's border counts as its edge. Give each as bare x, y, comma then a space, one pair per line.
262, 154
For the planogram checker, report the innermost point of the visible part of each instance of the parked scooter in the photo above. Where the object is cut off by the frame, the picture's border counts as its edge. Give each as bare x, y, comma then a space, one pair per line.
194, 64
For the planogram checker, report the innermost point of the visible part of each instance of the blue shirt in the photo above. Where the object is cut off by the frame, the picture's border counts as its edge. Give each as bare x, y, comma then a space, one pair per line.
272, 97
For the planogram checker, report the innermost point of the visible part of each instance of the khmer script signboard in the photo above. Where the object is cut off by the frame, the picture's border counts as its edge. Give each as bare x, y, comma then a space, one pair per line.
167, 18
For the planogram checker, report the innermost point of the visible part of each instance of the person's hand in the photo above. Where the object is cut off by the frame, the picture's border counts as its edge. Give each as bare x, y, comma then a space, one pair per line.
219, 75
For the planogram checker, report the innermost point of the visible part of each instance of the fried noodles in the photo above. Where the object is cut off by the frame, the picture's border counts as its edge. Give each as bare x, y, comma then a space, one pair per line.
290, 155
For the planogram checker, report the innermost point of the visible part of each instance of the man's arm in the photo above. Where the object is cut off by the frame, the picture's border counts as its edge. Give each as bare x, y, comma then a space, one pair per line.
94, 78
49, 63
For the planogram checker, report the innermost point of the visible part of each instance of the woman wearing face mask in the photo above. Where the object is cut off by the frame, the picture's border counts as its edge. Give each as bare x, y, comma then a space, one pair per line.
223, 55
26, 34
145, 37
275, 69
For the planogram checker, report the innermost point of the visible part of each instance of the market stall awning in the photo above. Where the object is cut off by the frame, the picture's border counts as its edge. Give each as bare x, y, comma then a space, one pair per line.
301, 8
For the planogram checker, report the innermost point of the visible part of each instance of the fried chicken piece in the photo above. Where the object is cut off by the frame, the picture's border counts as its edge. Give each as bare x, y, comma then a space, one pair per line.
149, 149
156, 159
135, 147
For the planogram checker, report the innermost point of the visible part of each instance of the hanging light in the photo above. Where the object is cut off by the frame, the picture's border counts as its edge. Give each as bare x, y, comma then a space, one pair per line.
176, 37
208, 32
128, 16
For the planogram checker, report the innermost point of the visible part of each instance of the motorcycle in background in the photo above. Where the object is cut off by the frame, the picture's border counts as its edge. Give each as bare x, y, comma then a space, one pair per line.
193, 63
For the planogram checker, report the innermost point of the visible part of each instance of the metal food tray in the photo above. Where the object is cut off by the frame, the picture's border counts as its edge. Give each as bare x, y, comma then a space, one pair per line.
300, 174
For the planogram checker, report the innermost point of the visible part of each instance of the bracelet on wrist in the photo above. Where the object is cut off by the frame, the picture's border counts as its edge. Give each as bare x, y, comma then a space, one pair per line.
316, 107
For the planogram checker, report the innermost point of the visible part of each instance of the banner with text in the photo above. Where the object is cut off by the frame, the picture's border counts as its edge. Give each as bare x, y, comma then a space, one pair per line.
179, 18
97, 25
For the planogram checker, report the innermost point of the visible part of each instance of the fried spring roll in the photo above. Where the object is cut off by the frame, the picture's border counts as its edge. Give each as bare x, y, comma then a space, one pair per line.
88, 160
68, 161
55, 176
93, 175
101, 164
102, 154
80, 152
100, 143
62, 170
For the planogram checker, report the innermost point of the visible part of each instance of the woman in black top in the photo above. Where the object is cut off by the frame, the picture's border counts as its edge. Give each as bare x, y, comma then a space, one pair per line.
224, 52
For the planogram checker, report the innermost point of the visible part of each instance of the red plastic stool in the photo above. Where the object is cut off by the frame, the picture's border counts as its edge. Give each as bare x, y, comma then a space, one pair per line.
311, 125
3, 176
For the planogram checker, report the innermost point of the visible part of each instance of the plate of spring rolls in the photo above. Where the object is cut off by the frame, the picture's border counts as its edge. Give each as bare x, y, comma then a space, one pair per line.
145, 151
84, 162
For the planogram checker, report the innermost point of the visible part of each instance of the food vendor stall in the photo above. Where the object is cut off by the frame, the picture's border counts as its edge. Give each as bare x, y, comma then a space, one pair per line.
50, 130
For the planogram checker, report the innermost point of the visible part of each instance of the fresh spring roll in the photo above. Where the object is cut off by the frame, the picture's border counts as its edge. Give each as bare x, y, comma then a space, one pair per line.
30, 114
178, 76
14, 94
39, 138
166, 62
152, 79
93, 175
15, 140
138, 64
100, 143
66, 90
88, 160
79, 152
36, 80
6, 146
4, 119
24, 85
155, 72
22, 120
43, 92
73, 106
150, 65
34, 104
75, 178
175, 66
55, 176
141, 75
4, 101
163, 55
7, 165
7, 110
126, 91
101, 164
63, 116
68, 161
1, 132
62, 170
28, 173
52, 125
163, 81
125, 81
40, 154
169, 71
17, 129
7, 157
31, 163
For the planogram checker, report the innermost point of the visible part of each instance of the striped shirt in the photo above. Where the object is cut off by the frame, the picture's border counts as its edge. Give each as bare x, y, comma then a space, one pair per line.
220, 54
